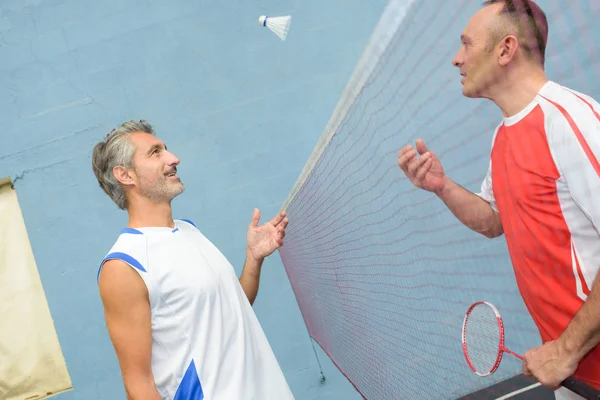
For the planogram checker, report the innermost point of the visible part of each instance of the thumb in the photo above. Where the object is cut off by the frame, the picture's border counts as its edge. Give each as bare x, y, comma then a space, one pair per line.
421, 148
255, 217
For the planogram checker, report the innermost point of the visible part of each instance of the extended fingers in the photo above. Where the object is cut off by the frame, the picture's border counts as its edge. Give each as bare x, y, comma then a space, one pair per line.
418, 167
281, 228
423, 169
280, 236
278, 218
405, 156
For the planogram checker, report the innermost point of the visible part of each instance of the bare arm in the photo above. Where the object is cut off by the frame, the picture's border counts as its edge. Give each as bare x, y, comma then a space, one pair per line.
558, 359
470, 209
127, 314
426, 172
250, 278
262, 242
583, 332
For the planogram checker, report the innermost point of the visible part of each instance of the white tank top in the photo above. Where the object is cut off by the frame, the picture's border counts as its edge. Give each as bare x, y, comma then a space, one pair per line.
206, 340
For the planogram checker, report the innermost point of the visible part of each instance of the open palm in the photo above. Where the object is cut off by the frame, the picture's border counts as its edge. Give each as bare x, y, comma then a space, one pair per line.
433, 178
424, 172
264, 240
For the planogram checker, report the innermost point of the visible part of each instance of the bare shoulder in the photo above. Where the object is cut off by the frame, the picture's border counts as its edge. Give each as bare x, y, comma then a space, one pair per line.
129, 322
118, 282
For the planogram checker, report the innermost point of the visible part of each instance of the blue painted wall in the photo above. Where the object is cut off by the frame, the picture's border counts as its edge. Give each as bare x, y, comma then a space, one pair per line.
242, 110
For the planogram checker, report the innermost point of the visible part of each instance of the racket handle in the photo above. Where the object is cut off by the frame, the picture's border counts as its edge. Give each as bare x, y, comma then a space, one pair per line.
582, 389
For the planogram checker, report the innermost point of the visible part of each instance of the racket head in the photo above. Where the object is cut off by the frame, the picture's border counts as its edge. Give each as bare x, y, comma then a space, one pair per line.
483, 338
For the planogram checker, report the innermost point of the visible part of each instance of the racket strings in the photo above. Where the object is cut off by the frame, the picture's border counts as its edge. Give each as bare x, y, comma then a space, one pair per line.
482, 338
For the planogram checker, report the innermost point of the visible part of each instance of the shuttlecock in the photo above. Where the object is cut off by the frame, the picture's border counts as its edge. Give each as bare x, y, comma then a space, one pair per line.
278, 25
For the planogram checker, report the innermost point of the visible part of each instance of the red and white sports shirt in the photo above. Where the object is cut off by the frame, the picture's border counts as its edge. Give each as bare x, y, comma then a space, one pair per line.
544, 180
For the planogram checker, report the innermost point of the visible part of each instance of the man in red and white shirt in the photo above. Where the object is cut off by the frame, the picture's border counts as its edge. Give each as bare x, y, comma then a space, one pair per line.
542, 189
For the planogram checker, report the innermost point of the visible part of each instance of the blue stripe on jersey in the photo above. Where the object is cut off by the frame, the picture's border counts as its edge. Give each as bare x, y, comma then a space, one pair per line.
190, 387
131, 230
189, 222
124, 257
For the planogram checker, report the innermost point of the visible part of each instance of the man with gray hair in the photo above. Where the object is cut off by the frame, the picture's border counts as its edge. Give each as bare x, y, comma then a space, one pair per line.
180, 320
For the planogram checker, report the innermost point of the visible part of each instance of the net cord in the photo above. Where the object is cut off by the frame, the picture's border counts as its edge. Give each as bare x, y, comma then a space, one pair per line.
391, 19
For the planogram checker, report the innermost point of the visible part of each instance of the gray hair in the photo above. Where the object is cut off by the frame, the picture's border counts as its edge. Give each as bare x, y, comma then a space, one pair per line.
116, 150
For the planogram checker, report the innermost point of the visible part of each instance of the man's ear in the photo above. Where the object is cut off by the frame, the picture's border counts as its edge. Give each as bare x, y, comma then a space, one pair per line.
506, 49
124, 175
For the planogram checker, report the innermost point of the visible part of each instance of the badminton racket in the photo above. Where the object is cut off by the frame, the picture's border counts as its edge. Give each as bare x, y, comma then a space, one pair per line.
483, 346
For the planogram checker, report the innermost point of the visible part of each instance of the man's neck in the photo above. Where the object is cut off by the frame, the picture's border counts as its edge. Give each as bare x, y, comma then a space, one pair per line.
149, 214
516, 92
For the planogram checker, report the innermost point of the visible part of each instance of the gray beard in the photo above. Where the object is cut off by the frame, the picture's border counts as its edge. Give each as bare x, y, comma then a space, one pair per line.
160, 191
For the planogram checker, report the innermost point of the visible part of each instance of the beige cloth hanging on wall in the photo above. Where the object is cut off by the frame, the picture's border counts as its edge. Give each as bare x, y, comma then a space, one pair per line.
31, 360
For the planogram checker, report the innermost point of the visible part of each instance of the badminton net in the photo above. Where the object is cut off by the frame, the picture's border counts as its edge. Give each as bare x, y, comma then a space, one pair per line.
382, 271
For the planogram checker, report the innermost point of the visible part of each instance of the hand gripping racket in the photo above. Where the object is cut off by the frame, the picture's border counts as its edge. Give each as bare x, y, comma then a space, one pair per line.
483, 346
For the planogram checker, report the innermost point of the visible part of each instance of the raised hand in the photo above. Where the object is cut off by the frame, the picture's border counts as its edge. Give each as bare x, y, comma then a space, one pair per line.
425, 171
264, 240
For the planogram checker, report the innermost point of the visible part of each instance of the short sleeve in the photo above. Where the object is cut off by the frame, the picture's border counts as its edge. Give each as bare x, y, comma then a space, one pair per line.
486, 191
574, 139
